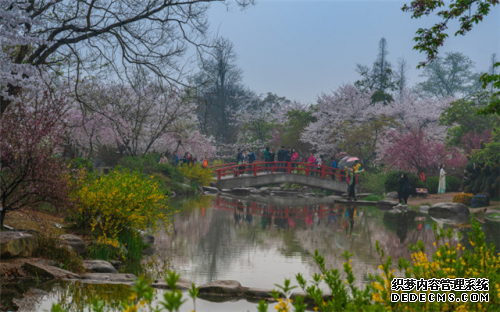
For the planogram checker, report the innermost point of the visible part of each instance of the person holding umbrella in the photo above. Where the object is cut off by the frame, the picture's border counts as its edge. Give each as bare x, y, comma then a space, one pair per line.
351, 182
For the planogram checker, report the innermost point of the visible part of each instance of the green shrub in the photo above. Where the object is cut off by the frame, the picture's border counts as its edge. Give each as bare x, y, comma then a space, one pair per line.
452, 183
80, 163
393, 177
148, 164
373, 181
49, 247
432, 184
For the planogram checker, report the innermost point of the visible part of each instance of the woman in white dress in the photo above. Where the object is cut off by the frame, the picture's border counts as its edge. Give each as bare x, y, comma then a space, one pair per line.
442, 180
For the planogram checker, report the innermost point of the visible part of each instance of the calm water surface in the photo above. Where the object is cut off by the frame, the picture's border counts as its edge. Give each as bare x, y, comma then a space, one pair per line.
260, 244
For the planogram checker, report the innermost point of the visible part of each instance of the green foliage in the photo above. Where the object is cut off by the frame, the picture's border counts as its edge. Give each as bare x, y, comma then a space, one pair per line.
461, 118
453, 183
490, 154
197, 174
430, 39
297, 121
81, 163
393, 177
49, 247
148, 164
494, 102
432, 184
373, 181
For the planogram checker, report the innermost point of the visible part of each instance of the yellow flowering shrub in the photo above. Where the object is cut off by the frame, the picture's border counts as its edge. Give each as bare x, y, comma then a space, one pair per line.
448, 262
122, 199
196, 173
464, 198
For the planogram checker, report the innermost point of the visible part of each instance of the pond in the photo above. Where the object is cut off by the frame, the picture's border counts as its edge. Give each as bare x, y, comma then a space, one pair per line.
260, 243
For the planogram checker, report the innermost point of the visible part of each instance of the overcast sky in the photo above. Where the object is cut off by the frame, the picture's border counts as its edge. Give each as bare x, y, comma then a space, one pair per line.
302, 48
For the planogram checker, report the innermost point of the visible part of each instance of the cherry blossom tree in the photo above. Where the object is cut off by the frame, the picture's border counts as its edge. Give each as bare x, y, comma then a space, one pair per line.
415, 113
415, 151
31, 169
132, 117
85, 38
346, 103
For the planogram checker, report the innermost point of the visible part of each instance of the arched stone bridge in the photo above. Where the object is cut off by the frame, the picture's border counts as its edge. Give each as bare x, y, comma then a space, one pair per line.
323, 177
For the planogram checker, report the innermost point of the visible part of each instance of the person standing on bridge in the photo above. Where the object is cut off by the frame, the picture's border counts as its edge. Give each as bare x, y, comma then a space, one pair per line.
312, 161
288, 157
351, 180
272, 155
281, 157
295, 159
266, 158
319, 163
334, 167
251, 159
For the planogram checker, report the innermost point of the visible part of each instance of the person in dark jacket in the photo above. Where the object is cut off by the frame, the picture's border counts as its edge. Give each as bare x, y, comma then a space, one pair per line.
251, 158
281, 156
288, 156
404, 189
271, 156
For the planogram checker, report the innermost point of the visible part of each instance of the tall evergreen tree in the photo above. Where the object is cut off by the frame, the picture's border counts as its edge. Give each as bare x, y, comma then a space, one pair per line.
380, 78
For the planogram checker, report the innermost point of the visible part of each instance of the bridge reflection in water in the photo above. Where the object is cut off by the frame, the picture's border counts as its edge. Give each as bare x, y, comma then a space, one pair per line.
285, 217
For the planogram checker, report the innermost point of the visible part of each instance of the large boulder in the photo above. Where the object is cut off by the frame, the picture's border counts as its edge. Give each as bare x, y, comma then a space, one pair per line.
76, 243
222, 288
99, 266
447, 210
16, 244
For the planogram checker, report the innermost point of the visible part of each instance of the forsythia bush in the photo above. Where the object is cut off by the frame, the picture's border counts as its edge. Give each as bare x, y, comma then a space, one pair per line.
123, 198
464, 198
196, 173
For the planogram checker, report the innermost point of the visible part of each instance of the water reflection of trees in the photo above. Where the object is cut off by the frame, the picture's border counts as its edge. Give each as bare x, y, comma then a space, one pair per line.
209, 240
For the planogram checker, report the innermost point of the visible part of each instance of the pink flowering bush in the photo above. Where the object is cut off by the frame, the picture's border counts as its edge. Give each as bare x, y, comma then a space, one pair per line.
414, 151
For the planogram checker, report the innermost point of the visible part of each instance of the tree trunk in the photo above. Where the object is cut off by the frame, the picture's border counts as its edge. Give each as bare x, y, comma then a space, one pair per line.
2, 217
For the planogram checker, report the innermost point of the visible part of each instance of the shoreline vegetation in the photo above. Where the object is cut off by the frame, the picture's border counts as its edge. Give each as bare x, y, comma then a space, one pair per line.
140, 188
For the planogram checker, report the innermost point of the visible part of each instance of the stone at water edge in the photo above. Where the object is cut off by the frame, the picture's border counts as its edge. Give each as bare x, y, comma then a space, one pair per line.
423, 209
16, 244
445, 210
210, 189
73, 241
182, 284
259, 293
45, 271
99, 266
108, 278
241, 191
392, 195
222, 288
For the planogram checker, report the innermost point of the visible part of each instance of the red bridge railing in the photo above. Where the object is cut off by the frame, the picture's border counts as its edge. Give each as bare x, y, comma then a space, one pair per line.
256, 168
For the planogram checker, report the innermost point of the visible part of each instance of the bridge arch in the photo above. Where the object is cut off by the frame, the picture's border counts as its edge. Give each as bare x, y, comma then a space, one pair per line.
262, 173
